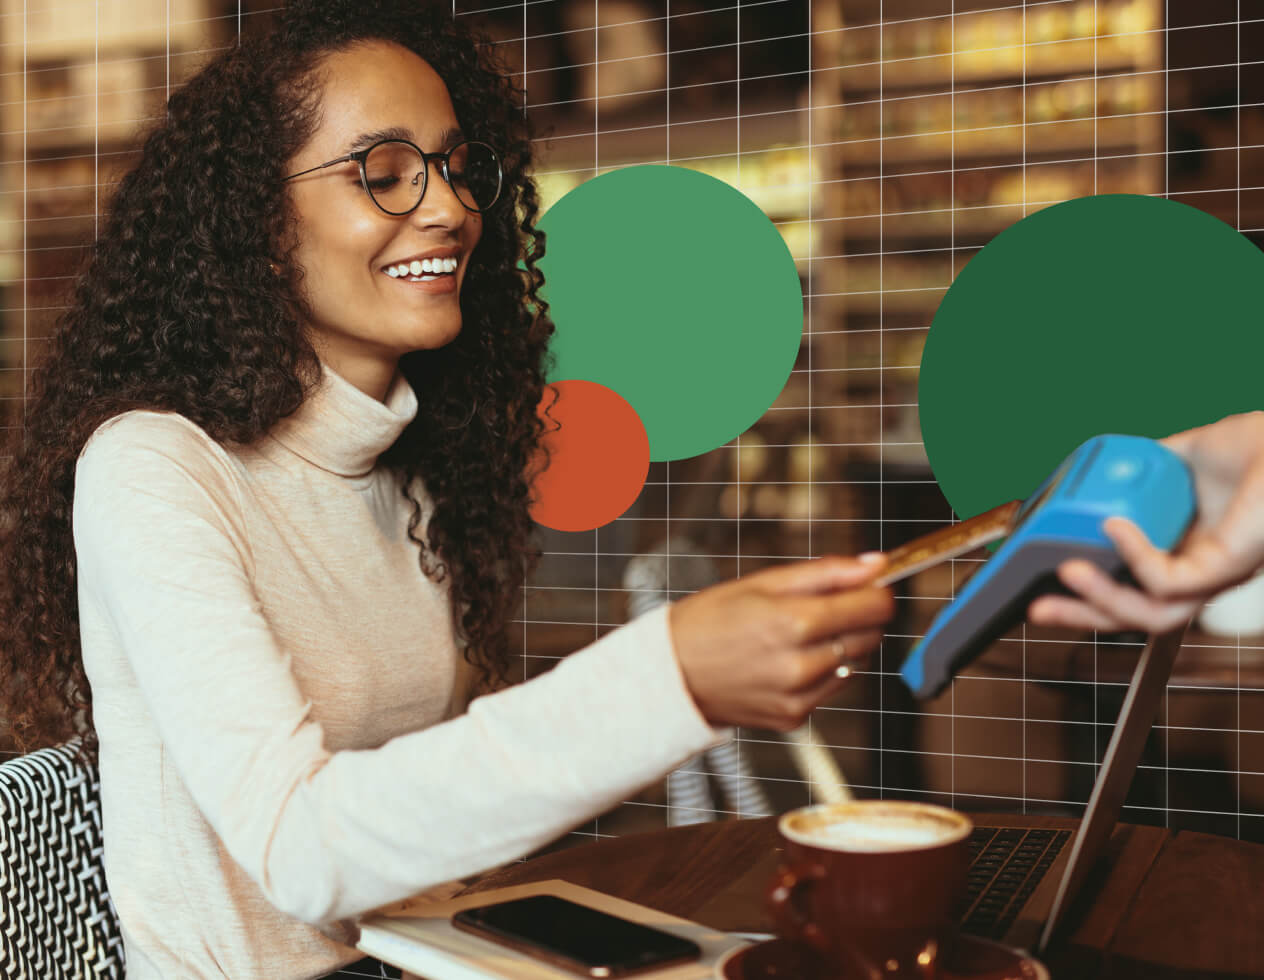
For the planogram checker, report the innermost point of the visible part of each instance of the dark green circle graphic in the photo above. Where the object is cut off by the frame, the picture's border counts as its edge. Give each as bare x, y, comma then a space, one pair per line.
1116, 313
676, 291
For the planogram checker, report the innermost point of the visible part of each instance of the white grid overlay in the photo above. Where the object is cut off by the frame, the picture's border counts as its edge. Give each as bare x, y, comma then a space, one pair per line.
868, 262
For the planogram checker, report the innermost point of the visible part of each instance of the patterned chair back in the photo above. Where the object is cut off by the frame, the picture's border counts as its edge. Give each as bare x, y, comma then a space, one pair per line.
56, 917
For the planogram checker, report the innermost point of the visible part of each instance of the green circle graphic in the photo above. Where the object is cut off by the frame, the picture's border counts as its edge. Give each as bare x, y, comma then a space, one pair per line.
1116, 313
675, 290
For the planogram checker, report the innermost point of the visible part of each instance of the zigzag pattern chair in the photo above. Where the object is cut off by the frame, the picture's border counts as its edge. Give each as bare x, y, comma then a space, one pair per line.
56, 917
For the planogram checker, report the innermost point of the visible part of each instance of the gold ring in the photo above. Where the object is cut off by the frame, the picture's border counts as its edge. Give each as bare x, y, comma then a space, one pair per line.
839, 649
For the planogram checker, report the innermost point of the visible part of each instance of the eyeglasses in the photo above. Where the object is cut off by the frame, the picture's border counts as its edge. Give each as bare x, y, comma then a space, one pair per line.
394, 173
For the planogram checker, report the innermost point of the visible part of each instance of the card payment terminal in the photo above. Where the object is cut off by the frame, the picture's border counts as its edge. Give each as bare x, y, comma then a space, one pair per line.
1109, 475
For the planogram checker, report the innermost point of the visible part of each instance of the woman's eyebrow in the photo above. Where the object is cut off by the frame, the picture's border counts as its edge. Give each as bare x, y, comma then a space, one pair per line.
377, 135
449, 138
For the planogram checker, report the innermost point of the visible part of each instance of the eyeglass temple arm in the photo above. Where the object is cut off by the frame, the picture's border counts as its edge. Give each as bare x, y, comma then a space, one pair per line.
327, 163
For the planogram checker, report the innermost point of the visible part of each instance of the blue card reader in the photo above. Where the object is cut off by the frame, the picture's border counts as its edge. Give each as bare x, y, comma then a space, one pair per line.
1107, 476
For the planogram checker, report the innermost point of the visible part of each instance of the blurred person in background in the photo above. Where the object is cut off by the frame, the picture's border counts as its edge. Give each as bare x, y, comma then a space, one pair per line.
267, 522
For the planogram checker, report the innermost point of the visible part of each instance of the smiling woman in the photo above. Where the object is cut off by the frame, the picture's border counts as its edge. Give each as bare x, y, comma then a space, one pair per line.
231, 322
364, 318
272, 500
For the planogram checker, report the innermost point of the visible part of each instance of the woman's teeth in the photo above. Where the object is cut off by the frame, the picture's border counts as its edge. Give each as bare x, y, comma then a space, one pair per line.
422, 269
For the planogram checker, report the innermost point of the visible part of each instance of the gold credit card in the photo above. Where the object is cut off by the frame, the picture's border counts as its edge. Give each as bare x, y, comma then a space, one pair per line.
949, 542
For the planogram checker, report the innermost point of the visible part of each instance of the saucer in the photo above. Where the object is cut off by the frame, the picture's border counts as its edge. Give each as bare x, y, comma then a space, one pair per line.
972, 959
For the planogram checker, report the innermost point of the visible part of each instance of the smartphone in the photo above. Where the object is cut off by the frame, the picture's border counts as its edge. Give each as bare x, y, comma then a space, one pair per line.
576, 937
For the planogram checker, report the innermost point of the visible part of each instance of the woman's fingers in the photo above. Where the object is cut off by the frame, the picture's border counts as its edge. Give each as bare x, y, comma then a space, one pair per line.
818, 576
817, 618
856, 648
790, 709
764, 646
822, 671
801, 703
850, 650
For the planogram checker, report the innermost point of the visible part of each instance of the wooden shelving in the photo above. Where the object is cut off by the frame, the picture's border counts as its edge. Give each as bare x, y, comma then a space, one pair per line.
77, 31
78, 82
1056, 60
1067, 138
944, 131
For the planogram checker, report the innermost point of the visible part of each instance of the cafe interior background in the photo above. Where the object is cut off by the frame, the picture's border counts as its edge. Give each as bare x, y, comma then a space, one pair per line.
888, 141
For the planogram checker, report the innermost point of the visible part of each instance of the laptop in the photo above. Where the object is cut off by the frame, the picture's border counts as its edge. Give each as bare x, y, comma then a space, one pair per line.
1023, 880
1026, 871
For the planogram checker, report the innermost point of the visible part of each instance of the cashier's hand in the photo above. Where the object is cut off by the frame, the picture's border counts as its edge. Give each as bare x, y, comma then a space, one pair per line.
764, 650
1225, 545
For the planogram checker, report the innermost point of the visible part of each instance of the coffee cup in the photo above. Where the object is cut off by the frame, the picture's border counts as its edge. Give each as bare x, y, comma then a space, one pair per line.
873, 886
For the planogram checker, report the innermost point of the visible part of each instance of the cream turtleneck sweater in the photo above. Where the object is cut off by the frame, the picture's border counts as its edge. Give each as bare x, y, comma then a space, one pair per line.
274, 687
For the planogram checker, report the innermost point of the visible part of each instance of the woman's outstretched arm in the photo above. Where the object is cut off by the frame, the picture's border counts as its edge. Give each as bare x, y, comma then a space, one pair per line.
165, 558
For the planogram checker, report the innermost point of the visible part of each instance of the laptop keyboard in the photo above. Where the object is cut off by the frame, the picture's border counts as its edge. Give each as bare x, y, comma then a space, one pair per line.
1006, 865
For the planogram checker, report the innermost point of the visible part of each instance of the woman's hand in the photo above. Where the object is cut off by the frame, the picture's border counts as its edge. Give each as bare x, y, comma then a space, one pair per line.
1224, 546
763, 650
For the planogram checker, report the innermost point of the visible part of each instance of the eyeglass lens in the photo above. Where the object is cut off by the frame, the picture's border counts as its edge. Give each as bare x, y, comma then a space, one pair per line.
396, 175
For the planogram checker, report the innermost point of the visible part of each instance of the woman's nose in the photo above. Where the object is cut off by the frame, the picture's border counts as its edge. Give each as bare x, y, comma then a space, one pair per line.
440, 204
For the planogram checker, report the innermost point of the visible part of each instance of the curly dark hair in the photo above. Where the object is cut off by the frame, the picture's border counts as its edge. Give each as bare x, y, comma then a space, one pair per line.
179, 309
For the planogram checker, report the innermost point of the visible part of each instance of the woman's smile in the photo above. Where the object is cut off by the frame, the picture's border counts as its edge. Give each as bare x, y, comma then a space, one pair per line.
434, 271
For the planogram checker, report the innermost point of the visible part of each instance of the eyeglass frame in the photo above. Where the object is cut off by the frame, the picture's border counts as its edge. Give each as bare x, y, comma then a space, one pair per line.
444, 156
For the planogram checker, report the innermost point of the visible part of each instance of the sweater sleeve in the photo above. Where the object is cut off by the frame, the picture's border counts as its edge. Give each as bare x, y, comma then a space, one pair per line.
163, 551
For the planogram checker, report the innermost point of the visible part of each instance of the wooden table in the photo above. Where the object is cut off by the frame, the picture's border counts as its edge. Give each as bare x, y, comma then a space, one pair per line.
1193, 912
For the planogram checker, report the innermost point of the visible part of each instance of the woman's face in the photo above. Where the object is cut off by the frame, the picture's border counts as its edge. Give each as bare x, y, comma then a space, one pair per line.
363, 318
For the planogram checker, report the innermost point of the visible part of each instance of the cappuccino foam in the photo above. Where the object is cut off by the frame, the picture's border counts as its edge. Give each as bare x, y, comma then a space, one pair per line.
876, 828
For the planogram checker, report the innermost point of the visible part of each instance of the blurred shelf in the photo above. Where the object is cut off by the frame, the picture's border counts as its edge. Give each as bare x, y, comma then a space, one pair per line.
865, 464
938, 223
105, 138
1058, 59
79, 45
895, 299
78, 30
81, 83
938, 133
908, 457
766, 125
998, 142
70, 231
774, 175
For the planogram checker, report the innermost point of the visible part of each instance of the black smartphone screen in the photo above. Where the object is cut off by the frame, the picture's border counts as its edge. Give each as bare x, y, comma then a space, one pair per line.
582, 938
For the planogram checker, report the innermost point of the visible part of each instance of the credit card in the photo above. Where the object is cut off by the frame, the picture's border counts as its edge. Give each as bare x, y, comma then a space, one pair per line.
948, 542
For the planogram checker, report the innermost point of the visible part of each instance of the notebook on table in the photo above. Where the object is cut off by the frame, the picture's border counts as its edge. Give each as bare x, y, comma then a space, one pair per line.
426, 943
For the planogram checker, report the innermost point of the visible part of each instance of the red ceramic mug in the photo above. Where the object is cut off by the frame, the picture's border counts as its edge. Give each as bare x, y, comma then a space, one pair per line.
873, 885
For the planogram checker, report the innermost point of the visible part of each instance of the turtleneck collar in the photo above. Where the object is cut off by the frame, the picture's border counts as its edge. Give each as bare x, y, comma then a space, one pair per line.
341, 429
